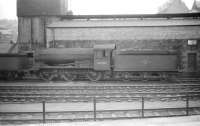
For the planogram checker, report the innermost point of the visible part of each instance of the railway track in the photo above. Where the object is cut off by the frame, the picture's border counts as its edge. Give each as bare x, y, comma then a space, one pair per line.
92, 86
77, 99
103, 92
154, 94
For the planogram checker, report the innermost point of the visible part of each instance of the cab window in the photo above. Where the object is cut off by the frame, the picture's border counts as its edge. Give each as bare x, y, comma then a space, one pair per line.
100, 54
107, 53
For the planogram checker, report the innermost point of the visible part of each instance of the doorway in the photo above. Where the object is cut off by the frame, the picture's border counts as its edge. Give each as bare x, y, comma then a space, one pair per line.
192, 62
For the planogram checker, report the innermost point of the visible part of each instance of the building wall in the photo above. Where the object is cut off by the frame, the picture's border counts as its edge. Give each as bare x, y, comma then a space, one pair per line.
125, 33
121, 44
184, 50
32, 32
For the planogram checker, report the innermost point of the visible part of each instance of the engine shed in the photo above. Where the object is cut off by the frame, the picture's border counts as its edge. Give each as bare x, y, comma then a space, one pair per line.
157, 32
53, 27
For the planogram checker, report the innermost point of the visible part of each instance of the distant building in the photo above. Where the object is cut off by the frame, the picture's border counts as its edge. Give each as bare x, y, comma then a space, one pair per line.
8, 31
174, 6
7, 44
5, 35
196, 6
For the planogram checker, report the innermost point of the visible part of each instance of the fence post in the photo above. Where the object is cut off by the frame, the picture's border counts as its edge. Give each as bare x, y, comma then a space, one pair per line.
94, 105
43, 111
142, 107
187, 105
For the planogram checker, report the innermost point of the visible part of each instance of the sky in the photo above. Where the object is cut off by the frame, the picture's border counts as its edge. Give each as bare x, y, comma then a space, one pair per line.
8, 7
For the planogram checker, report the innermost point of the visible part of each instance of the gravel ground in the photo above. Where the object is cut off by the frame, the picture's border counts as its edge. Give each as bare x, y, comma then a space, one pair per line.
171, 121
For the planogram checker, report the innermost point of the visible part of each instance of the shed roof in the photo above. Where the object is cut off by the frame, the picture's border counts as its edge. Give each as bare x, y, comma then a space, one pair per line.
124, 23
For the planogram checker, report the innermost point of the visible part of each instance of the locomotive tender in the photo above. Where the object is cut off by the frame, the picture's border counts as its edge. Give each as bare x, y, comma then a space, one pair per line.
14, 66
100, 62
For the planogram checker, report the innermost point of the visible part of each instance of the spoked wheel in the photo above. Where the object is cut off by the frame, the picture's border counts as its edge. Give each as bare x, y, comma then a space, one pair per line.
20, 76
47, 76
11, 76
94, 76
126, 77
68, 76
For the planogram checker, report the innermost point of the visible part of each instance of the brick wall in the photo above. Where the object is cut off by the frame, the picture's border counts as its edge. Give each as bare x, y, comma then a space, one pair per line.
136, 44
126, 33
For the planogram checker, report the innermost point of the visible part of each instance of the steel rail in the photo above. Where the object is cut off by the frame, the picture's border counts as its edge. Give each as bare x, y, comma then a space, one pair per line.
99, 86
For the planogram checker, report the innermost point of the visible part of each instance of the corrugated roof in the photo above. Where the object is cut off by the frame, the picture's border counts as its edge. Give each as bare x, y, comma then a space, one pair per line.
124, 23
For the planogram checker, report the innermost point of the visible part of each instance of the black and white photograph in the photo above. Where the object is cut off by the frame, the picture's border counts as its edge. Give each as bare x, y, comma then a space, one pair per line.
99, 62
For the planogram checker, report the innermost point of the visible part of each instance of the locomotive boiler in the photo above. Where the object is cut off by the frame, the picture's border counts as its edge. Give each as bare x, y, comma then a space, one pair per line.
104, 61
53, 56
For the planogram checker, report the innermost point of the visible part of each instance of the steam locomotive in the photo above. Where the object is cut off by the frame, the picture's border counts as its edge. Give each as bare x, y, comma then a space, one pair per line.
103, 61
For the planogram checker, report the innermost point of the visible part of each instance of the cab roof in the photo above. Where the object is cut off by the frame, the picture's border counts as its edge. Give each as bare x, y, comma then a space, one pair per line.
104, 46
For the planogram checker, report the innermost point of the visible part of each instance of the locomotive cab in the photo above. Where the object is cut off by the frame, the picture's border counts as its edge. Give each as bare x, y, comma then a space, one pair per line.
103, 56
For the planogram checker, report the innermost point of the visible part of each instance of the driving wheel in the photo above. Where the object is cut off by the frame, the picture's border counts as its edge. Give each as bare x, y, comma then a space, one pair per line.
94, 75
